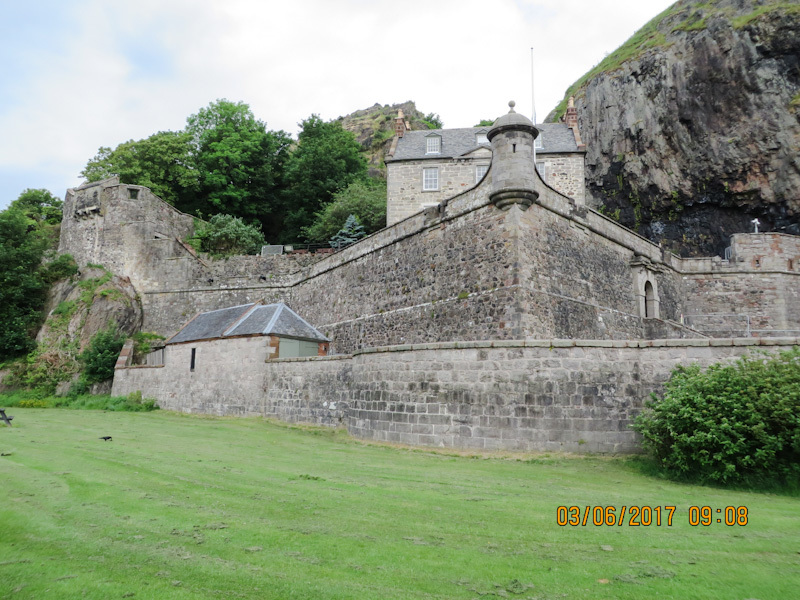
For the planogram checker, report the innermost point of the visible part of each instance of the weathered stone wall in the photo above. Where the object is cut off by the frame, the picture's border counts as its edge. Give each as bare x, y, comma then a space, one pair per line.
569, 395
565, 174
105, 224
756, 292
463, 270
227, 379
404, 192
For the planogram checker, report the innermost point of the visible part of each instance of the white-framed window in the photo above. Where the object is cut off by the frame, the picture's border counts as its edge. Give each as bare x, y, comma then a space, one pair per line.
541, 166
430, 179
480, 138
480, 171
537, 143
433, 145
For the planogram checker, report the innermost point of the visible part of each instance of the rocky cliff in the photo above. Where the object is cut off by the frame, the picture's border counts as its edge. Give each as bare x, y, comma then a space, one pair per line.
374, 129
693, 126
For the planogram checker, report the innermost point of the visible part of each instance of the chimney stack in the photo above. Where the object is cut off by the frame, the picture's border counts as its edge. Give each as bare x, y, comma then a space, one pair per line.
572, 122
400, 124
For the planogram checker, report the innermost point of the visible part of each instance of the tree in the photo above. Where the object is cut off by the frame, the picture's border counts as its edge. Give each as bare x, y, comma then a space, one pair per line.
239, 163
349, 234
22, 290
364, 199
326, 160
485, 123
433, 121
39, 205
225, 235
163, 162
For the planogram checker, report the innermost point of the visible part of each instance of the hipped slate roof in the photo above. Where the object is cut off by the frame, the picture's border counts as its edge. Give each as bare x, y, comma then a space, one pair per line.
248, 319
556, 138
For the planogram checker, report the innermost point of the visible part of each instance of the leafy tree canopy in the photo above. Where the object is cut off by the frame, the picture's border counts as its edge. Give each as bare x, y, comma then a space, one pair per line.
326, 160
22, 289
239, 163
163, 162
225, 161
433, 121
39, 205
364, 199
484, 123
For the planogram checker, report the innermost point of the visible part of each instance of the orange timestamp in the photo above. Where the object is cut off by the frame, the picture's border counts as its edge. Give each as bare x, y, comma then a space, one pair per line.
646, 516
632, 516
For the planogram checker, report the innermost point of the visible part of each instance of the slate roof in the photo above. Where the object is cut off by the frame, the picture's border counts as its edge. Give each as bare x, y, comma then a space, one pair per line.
556, 138
248, 319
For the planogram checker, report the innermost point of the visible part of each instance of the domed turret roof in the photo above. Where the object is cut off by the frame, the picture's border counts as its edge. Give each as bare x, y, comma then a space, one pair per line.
512, 120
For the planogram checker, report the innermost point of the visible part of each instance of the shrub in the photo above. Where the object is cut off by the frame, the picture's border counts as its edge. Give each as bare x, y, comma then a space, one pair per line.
101, 355
143, 342
226, 235
730, 424
61, 267
30, 399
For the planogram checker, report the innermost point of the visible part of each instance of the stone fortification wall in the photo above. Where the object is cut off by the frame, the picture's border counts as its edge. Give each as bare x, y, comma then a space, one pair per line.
756, 292
578, 396
464, 270
125, 228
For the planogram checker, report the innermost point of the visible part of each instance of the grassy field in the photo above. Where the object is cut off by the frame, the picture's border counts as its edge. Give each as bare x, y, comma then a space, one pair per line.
190, 507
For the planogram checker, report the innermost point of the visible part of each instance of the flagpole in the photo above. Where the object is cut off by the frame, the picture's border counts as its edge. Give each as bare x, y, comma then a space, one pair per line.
533, 106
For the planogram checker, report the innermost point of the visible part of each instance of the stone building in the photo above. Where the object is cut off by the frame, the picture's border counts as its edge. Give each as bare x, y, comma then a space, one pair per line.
508, 315
425, 167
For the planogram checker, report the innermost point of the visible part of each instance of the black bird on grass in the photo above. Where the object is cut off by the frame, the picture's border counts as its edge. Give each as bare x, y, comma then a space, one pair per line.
106, 438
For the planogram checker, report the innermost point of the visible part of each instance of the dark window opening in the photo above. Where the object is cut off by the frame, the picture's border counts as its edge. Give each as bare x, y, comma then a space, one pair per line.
791, 265
513, 147
192, 363
133, 194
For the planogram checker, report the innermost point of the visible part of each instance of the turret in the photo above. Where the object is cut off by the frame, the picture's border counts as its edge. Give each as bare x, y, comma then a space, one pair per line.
513, 172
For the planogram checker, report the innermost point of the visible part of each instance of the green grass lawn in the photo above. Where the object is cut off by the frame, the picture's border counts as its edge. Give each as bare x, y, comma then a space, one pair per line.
192, 507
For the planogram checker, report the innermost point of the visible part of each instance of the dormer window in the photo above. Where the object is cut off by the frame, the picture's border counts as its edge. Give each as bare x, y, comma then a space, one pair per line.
481, 139
537, 143
434, 145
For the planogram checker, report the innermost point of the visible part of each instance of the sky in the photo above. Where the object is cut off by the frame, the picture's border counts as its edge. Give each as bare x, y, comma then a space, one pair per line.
76, 75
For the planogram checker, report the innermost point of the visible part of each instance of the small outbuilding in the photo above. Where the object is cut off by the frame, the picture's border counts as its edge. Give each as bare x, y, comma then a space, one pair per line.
289, 335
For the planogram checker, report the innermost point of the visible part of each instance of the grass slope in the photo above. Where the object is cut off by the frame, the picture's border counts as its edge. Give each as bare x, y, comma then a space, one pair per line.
198, 507
682, 16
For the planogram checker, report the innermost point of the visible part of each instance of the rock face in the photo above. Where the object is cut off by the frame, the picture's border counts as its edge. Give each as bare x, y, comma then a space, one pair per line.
88, 305
374, 129
693, 127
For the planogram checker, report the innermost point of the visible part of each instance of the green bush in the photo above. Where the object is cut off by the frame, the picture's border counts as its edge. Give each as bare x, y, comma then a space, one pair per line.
60, 267
733, 424
101, 355
226, 235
